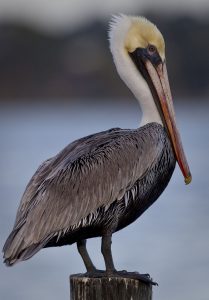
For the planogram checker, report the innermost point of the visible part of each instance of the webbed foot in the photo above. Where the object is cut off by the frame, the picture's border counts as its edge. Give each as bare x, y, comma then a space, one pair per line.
95, 273
134, 275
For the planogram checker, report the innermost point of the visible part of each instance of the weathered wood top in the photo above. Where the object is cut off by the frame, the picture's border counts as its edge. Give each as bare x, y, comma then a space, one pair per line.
109, 288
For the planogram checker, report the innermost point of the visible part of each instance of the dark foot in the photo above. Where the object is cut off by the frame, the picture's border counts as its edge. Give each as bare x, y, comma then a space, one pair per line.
134, 275
113, 273
95, 273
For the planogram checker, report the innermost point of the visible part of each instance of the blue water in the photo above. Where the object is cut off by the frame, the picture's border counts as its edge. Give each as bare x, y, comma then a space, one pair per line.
170, 241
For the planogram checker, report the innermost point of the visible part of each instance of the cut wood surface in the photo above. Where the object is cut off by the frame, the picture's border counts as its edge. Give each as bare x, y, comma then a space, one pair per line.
108, 288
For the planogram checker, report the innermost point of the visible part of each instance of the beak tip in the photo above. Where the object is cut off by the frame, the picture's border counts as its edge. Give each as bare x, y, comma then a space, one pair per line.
188, 179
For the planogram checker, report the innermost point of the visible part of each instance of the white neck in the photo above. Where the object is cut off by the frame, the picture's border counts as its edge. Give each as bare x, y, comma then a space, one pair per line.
131, 76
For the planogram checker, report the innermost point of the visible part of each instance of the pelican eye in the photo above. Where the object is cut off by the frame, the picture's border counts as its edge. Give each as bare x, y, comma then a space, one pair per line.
151, 49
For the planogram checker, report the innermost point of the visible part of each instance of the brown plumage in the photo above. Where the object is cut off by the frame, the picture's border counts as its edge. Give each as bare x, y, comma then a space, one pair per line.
88, 174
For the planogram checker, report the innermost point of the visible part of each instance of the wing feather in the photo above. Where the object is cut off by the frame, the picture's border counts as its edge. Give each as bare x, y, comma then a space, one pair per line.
89, 173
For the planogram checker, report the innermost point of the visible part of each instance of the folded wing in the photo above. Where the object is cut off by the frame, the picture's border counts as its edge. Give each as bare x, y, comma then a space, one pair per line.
87, 174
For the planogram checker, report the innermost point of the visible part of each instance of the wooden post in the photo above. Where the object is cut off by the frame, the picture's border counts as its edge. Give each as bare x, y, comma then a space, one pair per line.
108, 288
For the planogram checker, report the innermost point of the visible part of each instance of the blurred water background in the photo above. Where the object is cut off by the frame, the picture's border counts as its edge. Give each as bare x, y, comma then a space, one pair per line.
58, 83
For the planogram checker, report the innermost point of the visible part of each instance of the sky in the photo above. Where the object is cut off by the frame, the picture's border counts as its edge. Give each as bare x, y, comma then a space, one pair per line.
56, 15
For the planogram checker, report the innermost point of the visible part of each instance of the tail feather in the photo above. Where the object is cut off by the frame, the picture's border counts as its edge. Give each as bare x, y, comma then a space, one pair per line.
23, 255
9, 241
16, 250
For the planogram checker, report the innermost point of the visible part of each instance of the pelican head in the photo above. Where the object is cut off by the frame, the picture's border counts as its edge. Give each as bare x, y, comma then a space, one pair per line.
138, 50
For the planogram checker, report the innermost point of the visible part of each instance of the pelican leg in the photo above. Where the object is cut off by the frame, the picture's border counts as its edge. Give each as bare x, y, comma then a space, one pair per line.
107, 254
81, 245
110, 269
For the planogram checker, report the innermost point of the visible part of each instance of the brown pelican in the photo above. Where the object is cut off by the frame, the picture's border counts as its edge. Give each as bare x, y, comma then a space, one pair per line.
101, 183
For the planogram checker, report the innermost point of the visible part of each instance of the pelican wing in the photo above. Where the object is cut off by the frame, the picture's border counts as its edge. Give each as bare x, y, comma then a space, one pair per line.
89, 173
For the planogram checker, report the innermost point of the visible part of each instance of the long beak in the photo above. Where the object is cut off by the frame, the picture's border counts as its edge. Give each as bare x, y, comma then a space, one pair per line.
159, 77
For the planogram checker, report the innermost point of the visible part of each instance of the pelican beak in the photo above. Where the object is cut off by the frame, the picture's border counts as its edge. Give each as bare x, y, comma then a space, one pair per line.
159, 77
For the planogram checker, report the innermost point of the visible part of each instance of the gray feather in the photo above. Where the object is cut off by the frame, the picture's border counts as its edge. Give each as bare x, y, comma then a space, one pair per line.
89, 173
